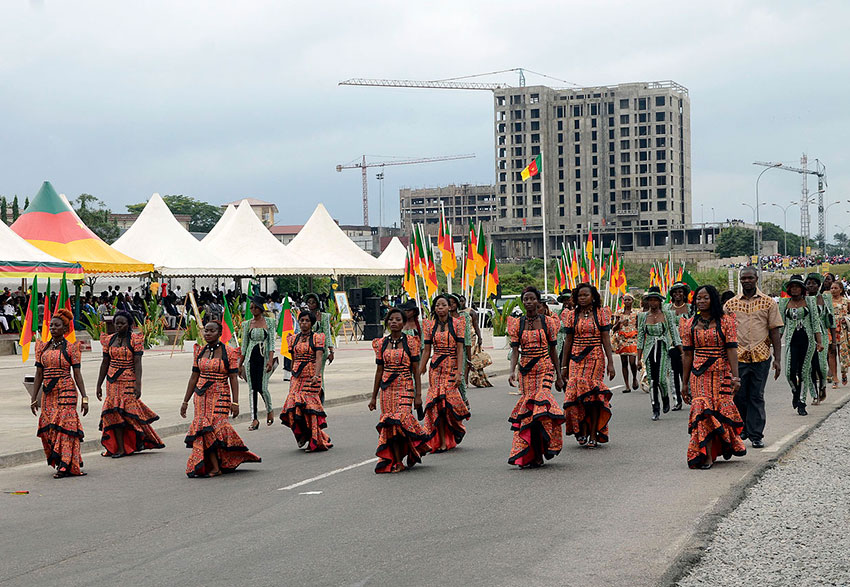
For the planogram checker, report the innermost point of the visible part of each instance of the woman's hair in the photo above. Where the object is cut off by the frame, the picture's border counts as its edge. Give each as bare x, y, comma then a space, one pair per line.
530, 289
715, 308
726, 296
390, 313
823, 284
313, 296
596, 302
215, 321
65, 316
307, 314
434, 304
126, 315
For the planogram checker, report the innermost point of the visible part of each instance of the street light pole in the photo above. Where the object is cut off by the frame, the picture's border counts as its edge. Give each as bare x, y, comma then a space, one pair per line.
758, 228
380, 178
755, 232
785, 225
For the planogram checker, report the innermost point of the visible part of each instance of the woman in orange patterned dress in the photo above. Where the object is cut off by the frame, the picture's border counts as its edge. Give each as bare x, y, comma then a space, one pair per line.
216, 448
57, 379
536, 419
710, 369
587, 357
124, 420
398, 381
445, 409
303, 411
625, 341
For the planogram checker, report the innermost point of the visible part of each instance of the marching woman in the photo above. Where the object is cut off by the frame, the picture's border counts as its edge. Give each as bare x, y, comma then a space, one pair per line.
587, 358
826, 319
411, 320
258, 340
57, 379
124, 420
397, 380
625, 341
710, 368
445, 409
803, 338
303, 412
536, 419
657, 334
681, 310
214, 384
839, 352
322, 325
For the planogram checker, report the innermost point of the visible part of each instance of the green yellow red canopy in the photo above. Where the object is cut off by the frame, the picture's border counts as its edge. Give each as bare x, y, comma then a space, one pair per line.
50, 224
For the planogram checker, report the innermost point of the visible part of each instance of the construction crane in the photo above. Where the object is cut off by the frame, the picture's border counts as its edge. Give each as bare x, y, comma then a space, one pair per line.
820, 172
452, 83
363, 166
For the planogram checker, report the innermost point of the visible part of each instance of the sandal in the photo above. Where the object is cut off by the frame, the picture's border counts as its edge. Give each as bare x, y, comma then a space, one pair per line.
270, 419
582, 440
254, 425
844, 379
592, 443
216, 474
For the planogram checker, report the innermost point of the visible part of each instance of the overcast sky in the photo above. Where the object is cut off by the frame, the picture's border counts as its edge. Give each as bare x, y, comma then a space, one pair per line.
226, 99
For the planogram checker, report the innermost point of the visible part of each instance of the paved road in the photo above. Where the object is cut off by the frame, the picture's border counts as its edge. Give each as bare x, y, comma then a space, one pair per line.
617, 515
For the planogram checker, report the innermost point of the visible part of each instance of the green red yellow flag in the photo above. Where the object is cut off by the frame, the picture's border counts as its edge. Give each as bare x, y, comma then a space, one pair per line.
409, 276
285, 327
45, 323
492, 273
446, 245
30, 326
532, 168
481, 252
227, 328
63, 300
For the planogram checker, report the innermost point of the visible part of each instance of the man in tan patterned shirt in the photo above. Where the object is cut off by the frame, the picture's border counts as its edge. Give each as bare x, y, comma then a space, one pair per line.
758, 330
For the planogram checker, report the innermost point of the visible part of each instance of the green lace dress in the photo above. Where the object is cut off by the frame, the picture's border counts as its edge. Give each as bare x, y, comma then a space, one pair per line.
665, 332
805, 319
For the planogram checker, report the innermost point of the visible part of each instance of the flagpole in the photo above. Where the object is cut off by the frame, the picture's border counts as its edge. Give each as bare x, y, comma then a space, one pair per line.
545, 233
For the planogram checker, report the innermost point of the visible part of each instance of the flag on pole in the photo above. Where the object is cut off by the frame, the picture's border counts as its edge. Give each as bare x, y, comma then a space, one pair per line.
480, 252
227, 328
45, 323
492, 274
250, 294
446, 245
409, 276
419, 262
30, 326
64, 301
532, 168
285, 327
431, 284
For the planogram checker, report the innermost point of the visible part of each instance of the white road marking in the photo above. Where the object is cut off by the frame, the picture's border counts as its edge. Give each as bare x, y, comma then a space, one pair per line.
310, 493
779, 443
328, 474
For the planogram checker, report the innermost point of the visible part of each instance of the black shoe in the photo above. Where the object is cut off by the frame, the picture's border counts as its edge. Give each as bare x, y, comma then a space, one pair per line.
678, 406
627, 390
758, 444
665, 402
801, 409
795, 399
118, 455
744, 436
655, 412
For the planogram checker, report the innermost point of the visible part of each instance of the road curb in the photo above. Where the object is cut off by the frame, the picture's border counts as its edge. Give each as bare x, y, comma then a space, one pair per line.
692, 552
87, 446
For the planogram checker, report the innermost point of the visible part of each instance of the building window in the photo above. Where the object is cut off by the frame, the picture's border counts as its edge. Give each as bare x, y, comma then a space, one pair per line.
659, 129
610, 121
578, 186
624, 118
561, 211
578, 161
625, 182
594, 160
593, 136
625, 169
659, 117
535, 138
645, 207
624, 144
535, 113
660, 168
610, 108
624, 131
644, 194
578, 210
517, 114
596, 209
575, 124
535, 150
643, 130
644, 181
643, 168
624, 157
561, 199
595, 197
577, 137
535, 186
661, 180
659, 100
660, 155
593, 120
612, 184
613, 208
662, 193
610, 133
577, 149
642, 117
536, 125
517, 127
641, 104
594, 173
624, 104
643, 144
578, 198
593, 148
661, 206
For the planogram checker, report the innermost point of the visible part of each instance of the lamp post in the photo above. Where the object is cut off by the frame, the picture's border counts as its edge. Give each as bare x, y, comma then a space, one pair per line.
755, 232
758, 231
380, 178
785, 225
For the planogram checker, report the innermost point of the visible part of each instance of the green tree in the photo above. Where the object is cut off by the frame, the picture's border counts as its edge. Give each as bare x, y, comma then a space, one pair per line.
734, 241
16, 211
26, 203
95, 215
4, 210
204, 215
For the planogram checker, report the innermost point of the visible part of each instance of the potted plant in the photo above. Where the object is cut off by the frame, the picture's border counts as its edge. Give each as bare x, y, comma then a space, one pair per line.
193, 333
153, 328
95, 326
500, 322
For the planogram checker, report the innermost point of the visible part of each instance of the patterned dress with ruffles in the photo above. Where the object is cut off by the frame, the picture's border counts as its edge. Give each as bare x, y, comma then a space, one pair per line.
537, 418
827, 322
210, 429
302, 411
397, 391
842, 333
586, 382
121, 408
443, 403
715, 425
59, 424
625, 339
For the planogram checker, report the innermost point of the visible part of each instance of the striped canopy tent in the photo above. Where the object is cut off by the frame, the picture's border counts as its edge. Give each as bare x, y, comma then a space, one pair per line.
21, 260
50, 224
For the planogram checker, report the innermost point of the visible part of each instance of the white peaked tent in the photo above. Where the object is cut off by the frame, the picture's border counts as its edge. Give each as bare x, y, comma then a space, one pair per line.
157, 237
324, 249
394, 255
244, 240
222, 222
20, 259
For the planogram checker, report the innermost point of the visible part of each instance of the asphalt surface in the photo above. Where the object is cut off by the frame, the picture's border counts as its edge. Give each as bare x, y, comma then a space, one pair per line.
617, 515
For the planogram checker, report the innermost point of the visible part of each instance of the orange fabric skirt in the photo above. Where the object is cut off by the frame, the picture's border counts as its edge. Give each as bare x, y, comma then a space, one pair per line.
121, 409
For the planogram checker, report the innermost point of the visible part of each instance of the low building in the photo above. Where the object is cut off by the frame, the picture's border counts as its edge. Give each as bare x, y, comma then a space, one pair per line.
265, 211
368, 238
125, 221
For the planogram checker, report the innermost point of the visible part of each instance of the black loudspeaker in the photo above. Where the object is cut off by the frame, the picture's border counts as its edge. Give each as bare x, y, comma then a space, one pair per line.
372, 313
373, 331
355, 296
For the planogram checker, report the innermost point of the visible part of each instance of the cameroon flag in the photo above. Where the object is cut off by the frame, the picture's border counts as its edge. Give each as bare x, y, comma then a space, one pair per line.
532, 168
227, 328
492, 274
285, 327
64, 301
30, 326
45, 324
